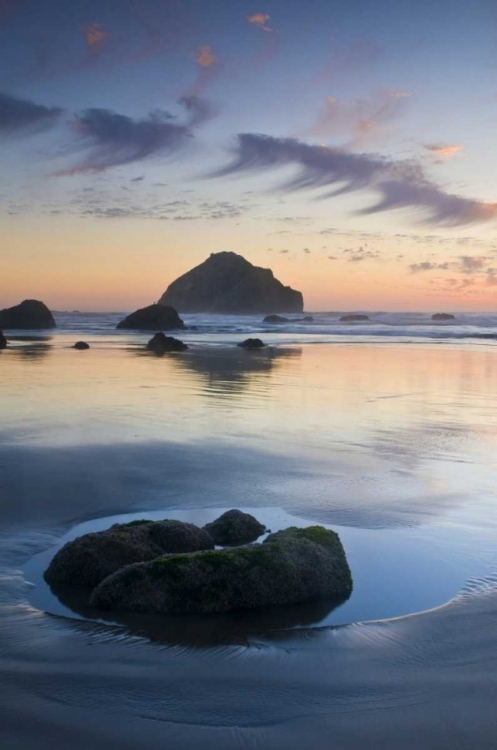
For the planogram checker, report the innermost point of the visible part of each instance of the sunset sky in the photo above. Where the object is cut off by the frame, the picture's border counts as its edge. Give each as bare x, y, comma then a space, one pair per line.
346, 144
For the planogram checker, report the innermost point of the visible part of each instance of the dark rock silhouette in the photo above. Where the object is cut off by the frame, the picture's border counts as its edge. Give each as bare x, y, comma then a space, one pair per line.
153, 318
252, 344
308, 319
353, 318
443, 316
160, 344
235, 527
90, 558
3, 341
81, 345
227, 283
30, 314
275, 319
291, 566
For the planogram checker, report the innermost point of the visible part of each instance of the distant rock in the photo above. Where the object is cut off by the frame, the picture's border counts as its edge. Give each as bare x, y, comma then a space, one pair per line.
3, 341
353, 318
153, 318
308, 319
275, 319
235, 527
160, 344
81, 345
30, 314
443, 316
90, 558
252, 344
291, 566
227, 283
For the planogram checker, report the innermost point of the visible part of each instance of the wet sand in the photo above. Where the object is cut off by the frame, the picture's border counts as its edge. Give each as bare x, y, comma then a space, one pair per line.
407, 443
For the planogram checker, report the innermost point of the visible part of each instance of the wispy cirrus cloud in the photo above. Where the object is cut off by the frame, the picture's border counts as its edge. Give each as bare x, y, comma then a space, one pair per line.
94, 36
208, 67
261, 20
363, 121
108, 139
18, 116
400, 184
444, 151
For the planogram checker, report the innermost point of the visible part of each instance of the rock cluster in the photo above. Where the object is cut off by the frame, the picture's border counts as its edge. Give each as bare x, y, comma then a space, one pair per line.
171, 567
292, 566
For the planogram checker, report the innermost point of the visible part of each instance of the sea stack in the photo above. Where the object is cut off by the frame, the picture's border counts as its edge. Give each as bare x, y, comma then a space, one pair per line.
227, 283
30, 314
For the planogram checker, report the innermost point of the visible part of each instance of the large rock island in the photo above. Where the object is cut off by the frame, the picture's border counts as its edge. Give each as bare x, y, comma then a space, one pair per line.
227, 283
30, 314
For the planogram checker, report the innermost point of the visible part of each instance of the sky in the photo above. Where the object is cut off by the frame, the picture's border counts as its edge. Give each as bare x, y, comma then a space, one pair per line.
346, 144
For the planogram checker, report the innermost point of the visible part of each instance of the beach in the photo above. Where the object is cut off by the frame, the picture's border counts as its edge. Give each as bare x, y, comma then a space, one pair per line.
385, 433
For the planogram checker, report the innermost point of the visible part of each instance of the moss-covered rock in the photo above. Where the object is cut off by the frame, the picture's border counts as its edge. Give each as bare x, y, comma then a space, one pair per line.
235, 527
90, 558
291, 566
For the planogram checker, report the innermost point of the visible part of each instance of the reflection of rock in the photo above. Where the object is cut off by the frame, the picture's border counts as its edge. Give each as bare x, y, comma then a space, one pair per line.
81, 345
153, 318
227, 283
160, 344
443, 316
252, 344
3, 341
291, 566
353, 318
235, 527
87, 560
234, 627
233, 370
30, 314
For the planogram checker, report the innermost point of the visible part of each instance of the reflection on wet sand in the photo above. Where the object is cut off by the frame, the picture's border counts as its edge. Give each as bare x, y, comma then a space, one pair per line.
232, 628
232, 371
31, 351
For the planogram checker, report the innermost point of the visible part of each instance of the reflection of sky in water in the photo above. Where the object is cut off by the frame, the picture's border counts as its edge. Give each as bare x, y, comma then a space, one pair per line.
362, 436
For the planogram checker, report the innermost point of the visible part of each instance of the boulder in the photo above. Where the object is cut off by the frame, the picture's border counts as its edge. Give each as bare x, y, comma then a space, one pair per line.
353, 318
90, 558
153, 318
235, 527
227, 283
81, 345
443, 316
295, 565
30, 314
252, 344
160, 344
275, 319
3, 341
308, 319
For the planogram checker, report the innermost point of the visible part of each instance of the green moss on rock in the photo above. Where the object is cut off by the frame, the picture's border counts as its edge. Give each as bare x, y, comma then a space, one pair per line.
291, 566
